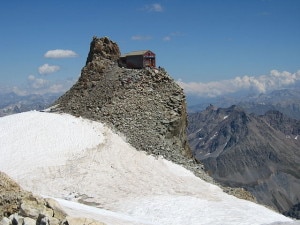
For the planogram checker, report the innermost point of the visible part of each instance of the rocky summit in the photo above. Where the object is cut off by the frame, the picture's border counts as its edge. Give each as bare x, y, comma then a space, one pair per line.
259, 153
145, 105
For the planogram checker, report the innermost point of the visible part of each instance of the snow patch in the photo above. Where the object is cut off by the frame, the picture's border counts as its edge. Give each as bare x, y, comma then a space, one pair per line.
225, 144
47, 138
215, 135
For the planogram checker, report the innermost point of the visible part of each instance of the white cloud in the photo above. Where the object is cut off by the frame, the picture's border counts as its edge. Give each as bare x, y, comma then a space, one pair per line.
140, 38
37, 83
167, 38
46, 68
60, 53
31, 77
42, 86
172, 35
56, 88
19, 91
156, 7
261, 84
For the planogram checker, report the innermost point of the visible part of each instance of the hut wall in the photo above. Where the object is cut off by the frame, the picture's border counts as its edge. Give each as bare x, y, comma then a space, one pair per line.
135, 61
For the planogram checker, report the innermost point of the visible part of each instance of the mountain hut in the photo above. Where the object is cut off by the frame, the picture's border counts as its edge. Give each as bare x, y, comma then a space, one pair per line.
138, 59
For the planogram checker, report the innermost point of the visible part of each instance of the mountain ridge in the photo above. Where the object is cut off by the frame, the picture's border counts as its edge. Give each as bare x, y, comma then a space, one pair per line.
259, 153
12, 103
285, 100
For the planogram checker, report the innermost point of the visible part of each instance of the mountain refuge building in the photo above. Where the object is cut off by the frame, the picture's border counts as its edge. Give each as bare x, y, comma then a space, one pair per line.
138, 59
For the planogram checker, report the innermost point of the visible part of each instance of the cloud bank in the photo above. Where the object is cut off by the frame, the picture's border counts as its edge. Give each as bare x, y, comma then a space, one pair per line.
261, 84
36, 85
46, 69
60, 53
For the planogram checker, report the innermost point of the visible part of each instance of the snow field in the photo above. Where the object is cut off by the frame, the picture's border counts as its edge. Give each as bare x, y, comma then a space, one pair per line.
46, 139
82, 161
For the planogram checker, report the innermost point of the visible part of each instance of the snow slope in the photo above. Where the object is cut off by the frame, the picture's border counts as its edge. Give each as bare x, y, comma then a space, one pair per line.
79, 161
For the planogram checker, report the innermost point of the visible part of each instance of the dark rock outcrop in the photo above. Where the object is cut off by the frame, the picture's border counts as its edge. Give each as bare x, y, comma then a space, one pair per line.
259, 153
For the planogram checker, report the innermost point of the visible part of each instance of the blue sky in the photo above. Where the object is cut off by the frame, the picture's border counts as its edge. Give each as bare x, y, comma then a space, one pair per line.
211, 47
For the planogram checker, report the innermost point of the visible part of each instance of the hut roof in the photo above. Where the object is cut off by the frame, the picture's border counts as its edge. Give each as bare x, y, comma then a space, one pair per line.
141, 52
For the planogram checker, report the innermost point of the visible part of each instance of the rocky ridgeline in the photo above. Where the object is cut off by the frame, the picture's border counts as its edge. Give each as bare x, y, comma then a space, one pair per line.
145, 105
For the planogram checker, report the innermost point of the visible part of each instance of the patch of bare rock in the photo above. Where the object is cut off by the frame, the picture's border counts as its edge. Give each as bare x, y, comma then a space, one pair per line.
20, 207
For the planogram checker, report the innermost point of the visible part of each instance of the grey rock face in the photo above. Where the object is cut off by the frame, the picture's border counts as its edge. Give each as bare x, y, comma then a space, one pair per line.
259, 153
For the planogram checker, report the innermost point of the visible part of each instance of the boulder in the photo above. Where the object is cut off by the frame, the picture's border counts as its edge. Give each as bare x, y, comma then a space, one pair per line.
29, 221
34, 206
5, 221
58, 212
16, 219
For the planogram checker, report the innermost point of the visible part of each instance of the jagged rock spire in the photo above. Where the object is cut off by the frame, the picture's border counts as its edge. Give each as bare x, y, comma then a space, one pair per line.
103, 48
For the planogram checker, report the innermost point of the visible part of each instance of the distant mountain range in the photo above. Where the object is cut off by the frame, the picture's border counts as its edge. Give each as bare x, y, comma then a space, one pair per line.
286, 101
12, 103
259, 153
